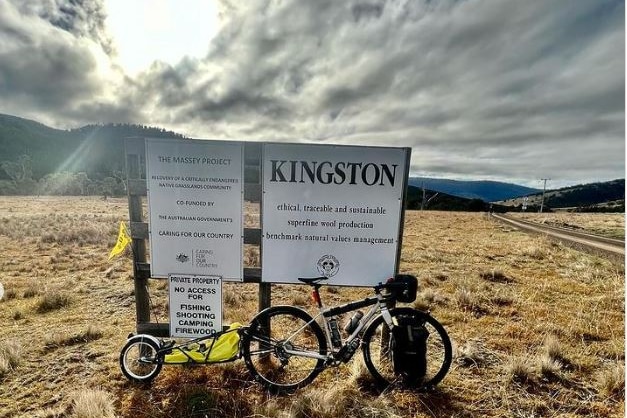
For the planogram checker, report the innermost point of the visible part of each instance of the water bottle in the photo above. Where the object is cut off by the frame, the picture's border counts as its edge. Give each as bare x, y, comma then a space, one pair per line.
336, 339
351, 325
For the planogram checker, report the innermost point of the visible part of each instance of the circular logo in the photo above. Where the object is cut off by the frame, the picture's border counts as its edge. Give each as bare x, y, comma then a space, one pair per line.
328, 266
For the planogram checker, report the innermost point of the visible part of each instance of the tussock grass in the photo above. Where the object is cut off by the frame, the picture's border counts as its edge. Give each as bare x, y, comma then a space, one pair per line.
53, 301
611, 382
31, 291
18, 314
495, 276
9, 294
553, 349
428, 299
550, 368
502, 298
470, 300
473, 353
346, 401
520, 369
59, 339
92, 403
10, 356
229, 297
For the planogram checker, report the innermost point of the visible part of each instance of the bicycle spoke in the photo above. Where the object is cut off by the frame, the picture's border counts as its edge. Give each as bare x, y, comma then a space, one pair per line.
274, 344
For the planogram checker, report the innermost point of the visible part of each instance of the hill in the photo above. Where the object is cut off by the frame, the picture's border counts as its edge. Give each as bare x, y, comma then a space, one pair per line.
35, 156
432, 200
606, 196
489, 191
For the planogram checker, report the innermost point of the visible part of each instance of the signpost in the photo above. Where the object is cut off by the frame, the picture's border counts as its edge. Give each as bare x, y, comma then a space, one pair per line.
332, 211
195, 305
195, 200
327, 210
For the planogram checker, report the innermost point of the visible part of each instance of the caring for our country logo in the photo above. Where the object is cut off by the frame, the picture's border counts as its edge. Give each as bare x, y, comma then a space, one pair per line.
328, 265
182, 258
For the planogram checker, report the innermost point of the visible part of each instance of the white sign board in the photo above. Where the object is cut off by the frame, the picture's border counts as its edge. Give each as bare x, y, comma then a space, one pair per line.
195, 201
332, 211
195, 305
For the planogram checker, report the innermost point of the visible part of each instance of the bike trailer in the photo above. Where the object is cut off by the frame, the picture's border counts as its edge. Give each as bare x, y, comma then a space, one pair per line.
409, 348
224, 347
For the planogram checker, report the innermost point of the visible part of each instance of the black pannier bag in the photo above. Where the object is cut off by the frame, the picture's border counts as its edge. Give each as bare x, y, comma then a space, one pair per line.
409, 348
404, 287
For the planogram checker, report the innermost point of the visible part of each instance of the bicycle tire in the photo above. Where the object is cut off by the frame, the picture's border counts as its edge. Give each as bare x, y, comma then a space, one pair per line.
377, 355
139, 361
264, 354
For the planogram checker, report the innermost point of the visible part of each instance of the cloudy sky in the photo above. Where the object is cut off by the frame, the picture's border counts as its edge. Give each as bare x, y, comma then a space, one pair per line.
505, 90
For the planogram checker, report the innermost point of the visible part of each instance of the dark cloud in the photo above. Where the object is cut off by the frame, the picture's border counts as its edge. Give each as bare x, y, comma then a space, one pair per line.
485, 88
81, 18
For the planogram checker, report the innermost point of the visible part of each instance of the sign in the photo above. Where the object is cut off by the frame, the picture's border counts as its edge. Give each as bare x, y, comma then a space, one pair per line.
332, 211
195, 200
195, 305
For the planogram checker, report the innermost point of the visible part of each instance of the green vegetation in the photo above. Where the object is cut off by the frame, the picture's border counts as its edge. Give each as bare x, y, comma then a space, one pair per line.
84, 161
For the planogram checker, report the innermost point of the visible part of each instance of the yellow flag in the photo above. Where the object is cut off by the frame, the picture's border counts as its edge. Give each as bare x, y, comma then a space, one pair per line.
123, 239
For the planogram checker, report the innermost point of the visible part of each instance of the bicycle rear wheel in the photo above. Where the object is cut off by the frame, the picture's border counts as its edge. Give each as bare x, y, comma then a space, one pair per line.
378, 355
283, 348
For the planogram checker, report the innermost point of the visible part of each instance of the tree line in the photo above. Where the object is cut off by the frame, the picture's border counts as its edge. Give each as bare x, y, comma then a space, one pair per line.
60, 183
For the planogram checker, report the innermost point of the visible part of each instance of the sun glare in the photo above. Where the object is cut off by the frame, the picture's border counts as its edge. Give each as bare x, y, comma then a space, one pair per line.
145, 31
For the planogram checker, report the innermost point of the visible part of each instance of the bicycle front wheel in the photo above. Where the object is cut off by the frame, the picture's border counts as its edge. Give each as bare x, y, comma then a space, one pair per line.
284, 348
378, 355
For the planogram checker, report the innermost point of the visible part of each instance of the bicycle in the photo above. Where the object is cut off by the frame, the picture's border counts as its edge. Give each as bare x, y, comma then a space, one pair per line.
285, 348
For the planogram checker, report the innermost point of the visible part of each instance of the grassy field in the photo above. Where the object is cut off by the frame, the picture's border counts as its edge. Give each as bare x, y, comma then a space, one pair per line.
538, 328
611, 225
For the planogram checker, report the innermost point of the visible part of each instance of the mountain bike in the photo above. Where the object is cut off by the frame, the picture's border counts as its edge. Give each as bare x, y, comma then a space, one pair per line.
285, 348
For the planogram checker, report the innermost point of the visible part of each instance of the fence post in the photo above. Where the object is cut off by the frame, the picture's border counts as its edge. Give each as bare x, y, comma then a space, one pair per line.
134, 151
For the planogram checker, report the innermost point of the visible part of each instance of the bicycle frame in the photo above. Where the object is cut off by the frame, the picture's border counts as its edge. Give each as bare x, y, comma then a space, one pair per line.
377, 303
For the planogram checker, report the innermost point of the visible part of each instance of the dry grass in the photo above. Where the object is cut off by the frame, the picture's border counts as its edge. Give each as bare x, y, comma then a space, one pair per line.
65, 338
92, 403
538, 327
10, 356
53, 301
611, 225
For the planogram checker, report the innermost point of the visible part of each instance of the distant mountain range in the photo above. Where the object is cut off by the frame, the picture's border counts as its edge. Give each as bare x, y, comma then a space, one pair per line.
35, 158
489, 191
